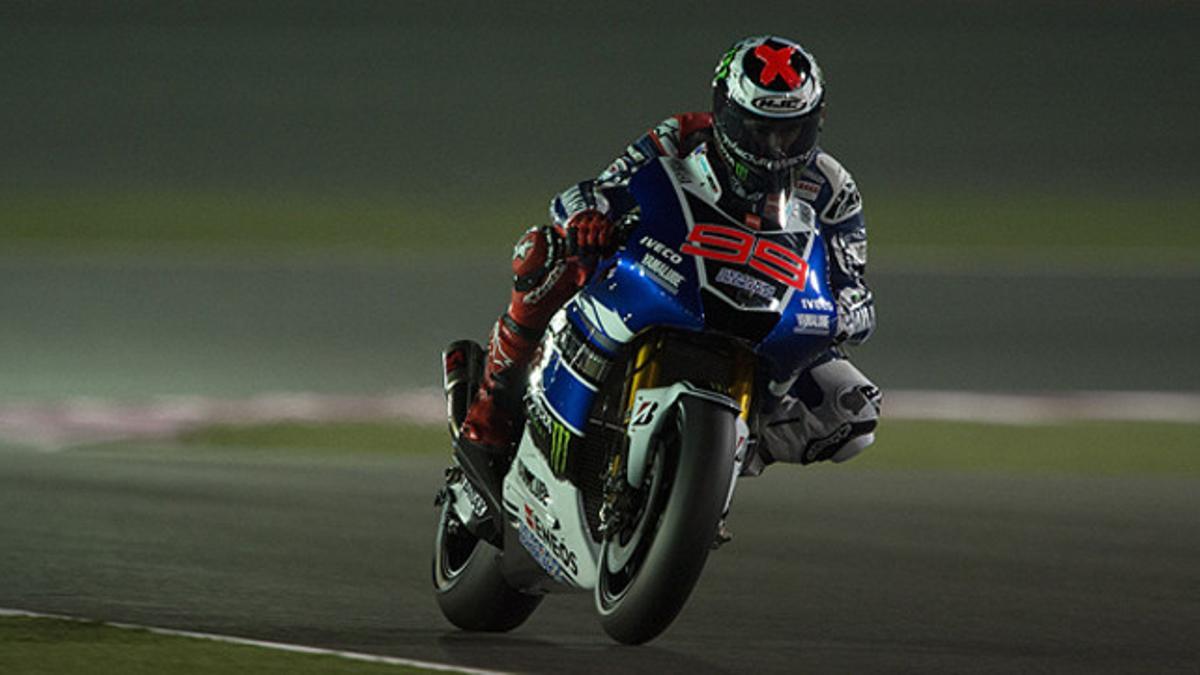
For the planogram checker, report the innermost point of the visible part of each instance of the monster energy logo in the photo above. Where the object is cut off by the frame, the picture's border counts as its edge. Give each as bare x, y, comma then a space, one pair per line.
723, 66
560, 443
741, 171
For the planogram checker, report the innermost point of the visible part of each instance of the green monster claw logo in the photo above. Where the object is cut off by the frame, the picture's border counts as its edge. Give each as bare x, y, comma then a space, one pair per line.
723, 66
560, 442
741, 171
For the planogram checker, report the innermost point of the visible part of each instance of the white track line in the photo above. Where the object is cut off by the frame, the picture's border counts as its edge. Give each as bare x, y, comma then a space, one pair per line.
59, 424
279, 646
72, 421
1043, 408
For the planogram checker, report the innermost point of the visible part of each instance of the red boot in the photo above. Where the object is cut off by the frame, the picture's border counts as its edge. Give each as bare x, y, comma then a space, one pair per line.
492, 420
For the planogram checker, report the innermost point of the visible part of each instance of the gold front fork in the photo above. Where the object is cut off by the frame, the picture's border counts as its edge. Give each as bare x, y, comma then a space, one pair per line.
742, 387
646, 373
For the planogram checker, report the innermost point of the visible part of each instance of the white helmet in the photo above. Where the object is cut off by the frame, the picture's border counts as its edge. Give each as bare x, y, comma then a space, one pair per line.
768, 104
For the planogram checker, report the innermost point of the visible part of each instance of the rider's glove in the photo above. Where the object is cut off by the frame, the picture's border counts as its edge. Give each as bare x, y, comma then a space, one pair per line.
590, 232
855, 315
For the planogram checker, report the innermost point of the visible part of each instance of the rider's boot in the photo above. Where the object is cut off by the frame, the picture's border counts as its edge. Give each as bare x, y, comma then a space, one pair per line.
487, 440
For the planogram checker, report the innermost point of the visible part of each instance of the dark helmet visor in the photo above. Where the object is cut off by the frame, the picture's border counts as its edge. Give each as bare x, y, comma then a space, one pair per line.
764, 140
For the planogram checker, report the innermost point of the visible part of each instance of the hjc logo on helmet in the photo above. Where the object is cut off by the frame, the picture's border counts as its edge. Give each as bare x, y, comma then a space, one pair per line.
778, 103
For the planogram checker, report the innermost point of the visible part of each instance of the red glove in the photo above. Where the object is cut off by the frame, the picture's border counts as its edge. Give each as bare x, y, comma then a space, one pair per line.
591, 232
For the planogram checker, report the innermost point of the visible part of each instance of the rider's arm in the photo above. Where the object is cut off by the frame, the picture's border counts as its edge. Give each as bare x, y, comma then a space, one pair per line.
607, 193
839, 209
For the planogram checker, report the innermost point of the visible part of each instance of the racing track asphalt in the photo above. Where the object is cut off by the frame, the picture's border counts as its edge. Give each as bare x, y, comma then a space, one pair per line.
833, 569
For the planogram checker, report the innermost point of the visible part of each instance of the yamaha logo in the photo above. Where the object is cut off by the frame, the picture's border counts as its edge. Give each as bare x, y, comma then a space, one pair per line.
778, 103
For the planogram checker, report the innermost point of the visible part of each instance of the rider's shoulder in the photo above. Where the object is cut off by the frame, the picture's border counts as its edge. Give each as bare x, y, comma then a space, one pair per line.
834, 192
829, 170
671, 136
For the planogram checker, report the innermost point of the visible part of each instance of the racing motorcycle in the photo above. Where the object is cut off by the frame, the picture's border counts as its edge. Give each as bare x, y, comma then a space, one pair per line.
639, 405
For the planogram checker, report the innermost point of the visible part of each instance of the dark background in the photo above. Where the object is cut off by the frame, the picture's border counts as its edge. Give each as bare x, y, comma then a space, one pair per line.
418, 97
1028, 169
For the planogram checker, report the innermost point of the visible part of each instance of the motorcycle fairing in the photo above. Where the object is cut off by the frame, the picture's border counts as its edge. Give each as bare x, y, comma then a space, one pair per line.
652, 282
569, 395
549, 522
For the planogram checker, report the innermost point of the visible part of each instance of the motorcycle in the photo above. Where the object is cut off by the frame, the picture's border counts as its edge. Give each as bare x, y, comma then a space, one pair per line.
640, 405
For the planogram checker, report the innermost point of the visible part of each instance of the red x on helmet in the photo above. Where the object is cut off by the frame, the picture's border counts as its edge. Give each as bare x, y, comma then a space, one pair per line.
768, 97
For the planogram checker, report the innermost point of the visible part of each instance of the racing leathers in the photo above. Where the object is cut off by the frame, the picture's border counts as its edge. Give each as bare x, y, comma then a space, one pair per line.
827, 411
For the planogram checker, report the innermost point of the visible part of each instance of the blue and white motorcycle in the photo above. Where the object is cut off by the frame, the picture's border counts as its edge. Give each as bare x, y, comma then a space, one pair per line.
639, 411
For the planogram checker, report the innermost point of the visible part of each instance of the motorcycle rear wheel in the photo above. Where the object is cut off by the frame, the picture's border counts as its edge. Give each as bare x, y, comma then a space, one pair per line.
468, 584
687, 485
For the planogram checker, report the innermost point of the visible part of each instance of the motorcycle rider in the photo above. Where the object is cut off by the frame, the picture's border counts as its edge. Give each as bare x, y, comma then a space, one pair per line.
761, 140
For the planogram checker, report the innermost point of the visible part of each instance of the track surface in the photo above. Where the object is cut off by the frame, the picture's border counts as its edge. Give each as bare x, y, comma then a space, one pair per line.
839, 570
833, 569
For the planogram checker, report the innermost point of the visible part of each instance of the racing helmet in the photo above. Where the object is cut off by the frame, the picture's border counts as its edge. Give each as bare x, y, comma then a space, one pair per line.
768, 105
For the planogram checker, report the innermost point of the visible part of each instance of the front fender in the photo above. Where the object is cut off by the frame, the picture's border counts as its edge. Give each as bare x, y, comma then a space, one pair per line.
649, 408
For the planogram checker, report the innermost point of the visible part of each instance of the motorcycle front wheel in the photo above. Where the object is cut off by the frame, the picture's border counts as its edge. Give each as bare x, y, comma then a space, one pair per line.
648, 569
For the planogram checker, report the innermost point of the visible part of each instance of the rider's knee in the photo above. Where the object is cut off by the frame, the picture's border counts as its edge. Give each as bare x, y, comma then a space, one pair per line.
534, 256
851, 448
833, 413
853, 409
544, 276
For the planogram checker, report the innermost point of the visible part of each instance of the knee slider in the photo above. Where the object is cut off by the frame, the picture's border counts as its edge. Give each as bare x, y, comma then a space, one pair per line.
859, 406
852, 447
850, 414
